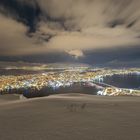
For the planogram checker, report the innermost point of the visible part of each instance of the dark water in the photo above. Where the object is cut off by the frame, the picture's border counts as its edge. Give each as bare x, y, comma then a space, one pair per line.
130, 81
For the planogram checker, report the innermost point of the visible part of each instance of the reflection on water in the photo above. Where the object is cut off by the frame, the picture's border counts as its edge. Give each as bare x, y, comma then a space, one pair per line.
131, 81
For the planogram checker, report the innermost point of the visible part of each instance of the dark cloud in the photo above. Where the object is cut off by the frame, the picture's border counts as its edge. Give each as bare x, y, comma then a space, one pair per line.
23, 12
112, 58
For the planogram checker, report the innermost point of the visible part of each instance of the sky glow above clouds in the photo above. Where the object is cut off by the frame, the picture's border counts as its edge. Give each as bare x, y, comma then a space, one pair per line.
72, 27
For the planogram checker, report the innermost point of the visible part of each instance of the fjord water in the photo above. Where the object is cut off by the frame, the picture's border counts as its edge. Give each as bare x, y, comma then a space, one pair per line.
130, 81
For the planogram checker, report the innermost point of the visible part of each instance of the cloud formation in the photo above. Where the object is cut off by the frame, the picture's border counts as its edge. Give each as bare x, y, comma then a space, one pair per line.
75, 53
92, 24
72, 26
13, 38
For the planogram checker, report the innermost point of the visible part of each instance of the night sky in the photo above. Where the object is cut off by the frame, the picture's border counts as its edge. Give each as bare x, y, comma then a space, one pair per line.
96, 32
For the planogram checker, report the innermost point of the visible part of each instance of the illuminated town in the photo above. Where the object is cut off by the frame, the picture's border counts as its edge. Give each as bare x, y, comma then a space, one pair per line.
34, 84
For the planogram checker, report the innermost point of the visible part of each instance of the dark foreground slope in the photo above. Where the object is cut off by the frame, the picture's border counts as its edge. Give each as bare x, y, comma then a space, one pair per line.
71, 117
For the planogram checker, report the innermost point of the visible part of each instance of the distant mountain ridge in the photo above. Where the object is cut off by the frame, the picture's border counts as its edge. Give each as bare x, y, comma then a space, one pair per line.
5, 64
